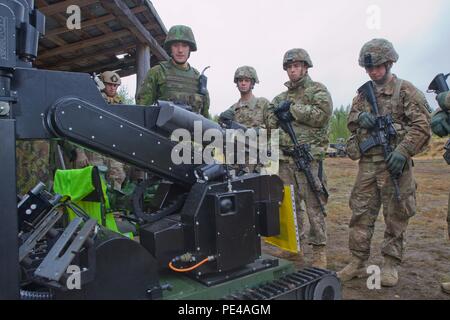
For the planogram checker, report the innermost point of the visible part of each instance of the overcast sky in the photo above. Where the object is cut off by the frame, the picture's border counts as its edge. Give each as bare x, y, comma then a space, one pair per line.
233, 33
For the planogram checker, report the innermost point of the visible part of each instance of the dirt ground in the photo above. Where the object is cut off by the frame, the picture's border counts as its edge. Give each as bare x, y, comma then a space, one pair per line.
427, 256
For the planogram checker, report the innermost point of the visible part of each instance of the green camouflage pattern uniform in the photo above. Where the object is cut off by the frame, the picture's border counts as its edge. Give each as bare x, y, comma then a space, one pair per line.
444, 102
373, 187
112, 100
33, 158
170, 82
116, 173
312, 109
447, 106
251, 114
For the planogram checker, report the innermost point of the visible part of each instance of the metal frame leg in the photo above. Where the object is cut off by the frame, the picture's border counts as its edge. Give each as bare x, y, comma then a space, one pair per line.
9, 250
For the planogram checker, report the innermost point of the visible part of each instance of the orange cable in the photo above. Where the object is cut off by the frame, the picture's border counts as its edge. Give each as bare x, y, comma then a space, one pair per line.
190, 268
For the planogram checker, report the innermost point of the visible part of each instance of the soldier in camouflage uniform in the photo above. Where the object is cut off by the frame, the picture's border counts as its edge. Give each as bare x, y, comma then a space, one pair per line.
116, 170
440, 124
33, 159
311, 110
112, 81
374, 187
176, 80
36, 159
249, 110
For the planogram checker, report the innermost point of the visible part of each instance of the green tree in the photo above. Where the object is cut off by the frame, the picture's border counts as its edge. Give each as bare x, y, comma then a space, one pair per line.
126, 97
338, 124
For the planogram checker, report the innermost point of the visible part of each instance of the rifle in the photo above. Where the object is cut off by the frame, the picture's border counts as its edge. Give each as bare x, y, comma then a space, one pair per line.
230, 124
203, 82
439, 85
383, 133
203, 88
302, 156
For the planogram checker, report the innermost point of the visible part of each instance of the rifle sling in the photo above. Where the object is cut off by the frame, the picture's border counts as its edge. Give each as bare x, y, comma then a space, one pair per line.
320, 172
395, 101
290, 153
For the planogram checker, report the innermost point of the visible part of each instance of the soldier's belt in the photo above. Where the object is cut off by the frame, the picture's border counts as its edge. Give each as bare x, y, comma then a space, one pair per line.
290, 153
372, 158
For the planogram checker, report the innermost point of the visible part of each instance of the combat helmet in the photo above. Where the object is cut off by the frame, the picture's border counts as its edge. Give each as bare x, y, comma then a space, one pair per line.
180, 33
246, 72
295, 55
377, 52
110, 77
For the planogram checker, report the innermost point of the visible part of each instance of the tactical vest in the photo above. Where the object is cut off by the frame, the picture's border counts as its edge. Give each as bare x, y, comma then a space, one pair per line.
112, 100
250, 114
181, 86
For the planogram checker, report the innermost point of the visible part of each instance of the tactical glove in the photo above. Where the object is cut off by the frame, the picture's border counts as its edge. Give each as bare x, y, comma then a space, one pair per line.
396, 162
284, 106
285, 116
227, 115
440, 124
367, 120
441, 97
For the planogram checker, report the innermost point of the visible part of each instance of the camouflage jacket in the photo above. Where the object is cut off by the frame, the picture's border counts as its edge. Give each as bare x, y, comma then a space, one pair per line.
112, 100
33, 159
251, 113
410, 113
312, 109
169, 82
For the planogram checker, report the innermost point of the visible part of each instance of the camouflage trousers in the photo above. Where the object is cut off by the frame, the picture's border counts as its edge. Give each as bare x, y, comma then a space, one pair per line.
374, 188
305, 202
